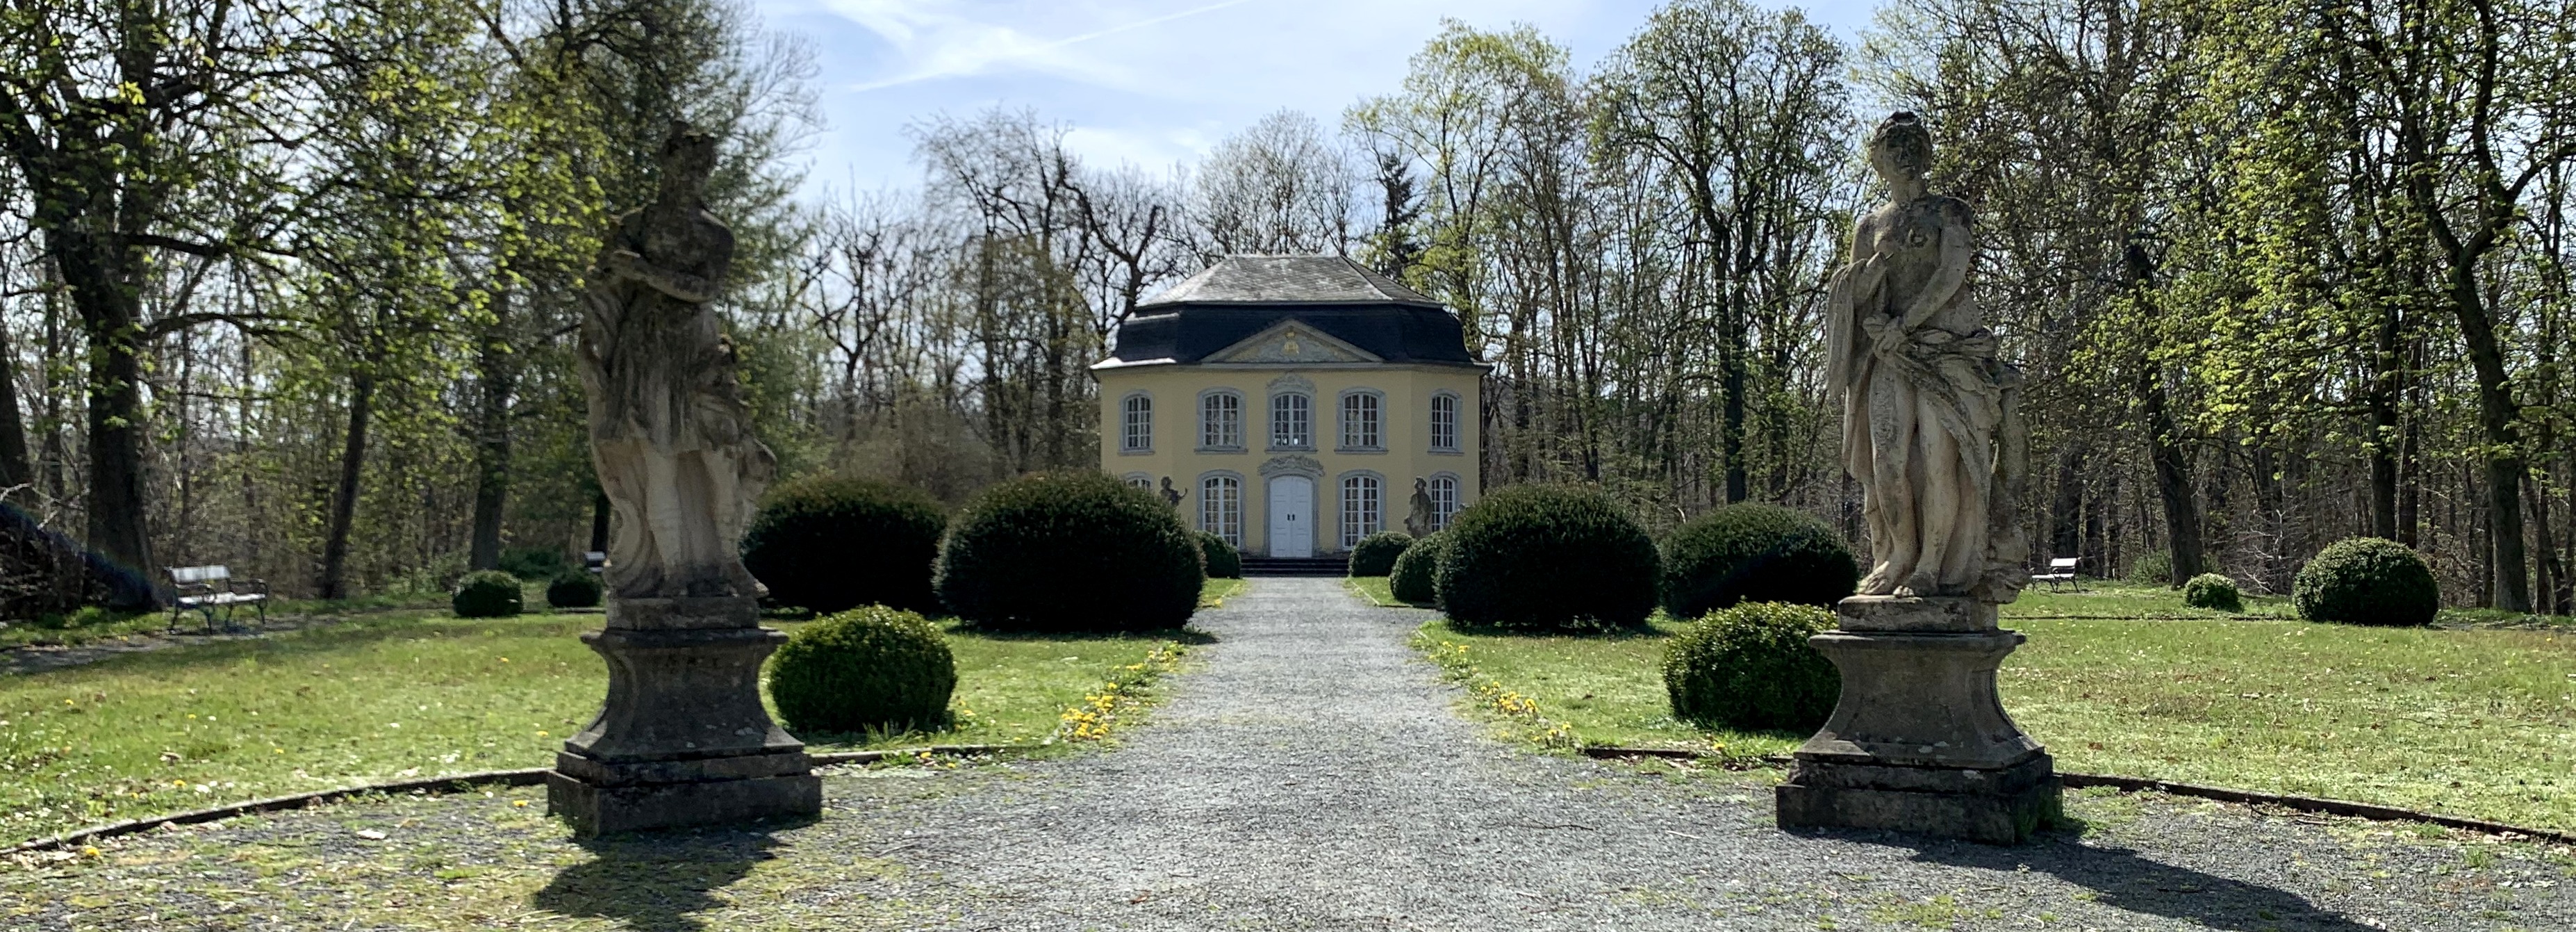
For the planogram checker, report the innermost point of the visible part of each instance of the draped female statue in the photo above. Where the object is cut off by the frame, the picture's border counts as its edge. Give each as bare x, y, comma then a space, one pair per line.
1931, 426
670, 434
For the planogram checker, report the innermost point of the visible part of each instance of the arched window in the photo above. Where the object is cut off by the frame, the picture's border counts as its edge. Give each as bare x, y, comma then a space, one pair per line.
1221, 507
1136, 424
1444, 500
1138, 480
1221, 421
1360, 421
1289, 429
1361, 514
1444, 423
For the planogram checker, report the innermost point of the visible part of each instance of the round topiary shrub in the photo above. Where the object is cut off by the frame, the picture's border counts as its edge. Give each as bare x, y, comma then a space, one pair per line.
2367, 581
873, 669
1415, 577
1375, 555
486, 594
1750, 667
1223, 561
1755, 553
1548, 557
2214, 592
575, 589
829, 543
1070, 552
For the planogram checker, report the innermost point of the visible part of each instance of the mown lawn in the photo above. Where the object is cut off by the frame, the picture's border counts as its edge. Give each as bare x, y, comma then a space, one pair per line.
2463, 720
407, 694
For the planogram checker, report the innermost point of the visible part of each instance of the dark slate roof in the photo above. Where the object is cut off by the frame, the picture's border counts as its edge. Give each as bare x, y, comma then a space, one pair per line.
1286, 280
1244, 295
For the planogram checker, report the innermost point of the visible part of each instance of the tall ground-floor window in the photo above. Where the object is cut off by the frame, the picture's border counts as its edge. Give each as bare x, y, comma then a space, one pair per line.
1444, 500
1221, 508
1361, 515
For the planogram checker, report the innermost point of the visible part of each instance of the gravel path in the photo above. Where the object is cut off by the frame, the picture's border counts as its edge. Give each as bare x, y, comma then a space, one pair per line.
1308, 773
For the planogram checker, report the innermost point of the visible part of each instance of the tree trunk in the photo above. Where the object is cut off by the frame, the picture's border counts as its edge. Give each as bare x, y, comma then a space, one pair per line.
15, 470
2497, 412
2387, 384
344, 505
2164, 447
498, 380
599, 512
108, 298
2066, 512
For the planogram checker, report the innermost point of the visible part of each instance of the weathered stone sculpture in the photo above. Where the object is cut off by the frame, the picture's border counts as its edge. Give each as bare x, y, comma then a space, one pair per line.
683, 738
1418, 512
1932, 431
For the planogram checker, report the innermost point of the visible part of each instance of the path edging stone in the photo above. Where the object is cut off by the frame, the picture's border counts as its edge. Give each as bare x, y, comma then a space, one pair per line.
2341, 807
530, 776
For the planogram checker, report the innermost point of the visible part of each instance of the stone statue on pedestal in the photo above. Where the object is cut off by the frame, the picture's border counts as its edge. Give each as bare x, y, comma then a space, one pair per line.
683, 738
1932, 431
1171, 496
1418, 516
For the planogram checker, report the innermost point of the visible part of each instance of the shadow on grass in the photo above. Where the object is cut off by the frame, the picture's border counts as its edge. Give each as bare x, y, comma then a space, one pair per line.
348, 633
1189, 636
1585, 631
659, 881
2124, 879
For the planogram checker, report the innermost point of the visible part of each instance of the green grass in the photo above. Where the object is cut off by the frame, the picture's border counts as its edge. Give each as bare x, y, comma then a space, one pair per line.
2469, 721
401, 695
1374, 590
1214, 592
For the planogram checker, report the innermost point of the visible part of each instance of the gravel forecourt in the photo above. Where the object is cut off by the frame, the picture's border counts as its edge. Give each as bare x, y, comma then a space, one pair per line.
1308, 772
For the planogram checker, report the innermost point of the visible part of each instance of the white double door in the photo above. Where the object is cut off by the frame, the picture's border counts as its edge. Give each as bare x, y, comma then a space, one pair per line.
1292, 516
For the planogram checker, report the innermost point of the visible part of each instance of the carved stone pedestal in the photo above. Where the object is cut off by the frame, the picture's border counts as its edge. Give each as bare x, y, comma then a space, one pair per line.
1919, 741
683, 738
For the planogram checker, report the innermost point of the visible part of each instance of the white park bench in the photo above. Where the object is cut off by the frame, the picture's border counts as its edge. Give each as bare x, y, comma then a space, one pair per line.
208, 590
2060, 570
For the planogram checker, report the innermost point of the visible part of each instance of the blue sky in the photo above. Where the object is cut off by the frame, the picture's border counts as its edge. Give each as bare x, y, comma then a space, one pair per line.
1153, 82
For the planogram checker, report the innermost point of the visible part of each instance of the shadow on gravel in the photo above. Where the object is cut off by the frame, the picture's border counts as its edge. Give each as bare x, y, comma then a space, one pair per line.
657, 881
2121, 878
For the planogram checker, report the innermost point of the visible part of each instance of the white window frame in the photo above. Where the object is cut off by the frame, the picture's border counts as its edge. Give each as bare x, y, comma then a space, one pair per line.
1362, 419
1444, 504
1221, 420
1221, 506
1444, 424
1139, 480
1363, 500
1304, 419
1136, 423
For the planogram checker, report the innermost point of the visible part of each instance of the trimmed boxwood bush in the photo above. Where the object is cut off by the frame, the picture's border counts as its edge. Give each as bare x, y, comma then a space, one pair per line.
1070, 552
1755, 553
575, 589
1375, 555
1750, 667
872, 669
2213, 591
2367, 581
486, 594
1223, 561
829, 543
1415, 577
1548, 557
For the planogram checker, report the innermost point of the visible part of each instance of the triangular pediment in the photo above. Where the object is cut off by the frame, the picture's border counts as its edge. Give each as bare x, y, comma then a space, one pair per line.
1292, 341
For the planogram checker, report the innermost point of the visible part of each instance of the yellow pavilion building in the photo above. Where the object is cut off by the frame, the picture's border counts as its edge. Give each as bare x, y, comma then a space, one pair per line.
1294, 404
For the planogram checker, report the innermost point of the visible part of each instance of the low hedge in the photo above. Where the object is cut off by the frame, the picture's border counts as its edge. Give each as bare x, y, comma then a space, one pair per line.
487, 594
1749, 667
1755, 553
2214, 592
1415, 578
872, 669
830, 543
1223, 561
1548, 558
1375, 555
573, 589
2367, 581
1070, 552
